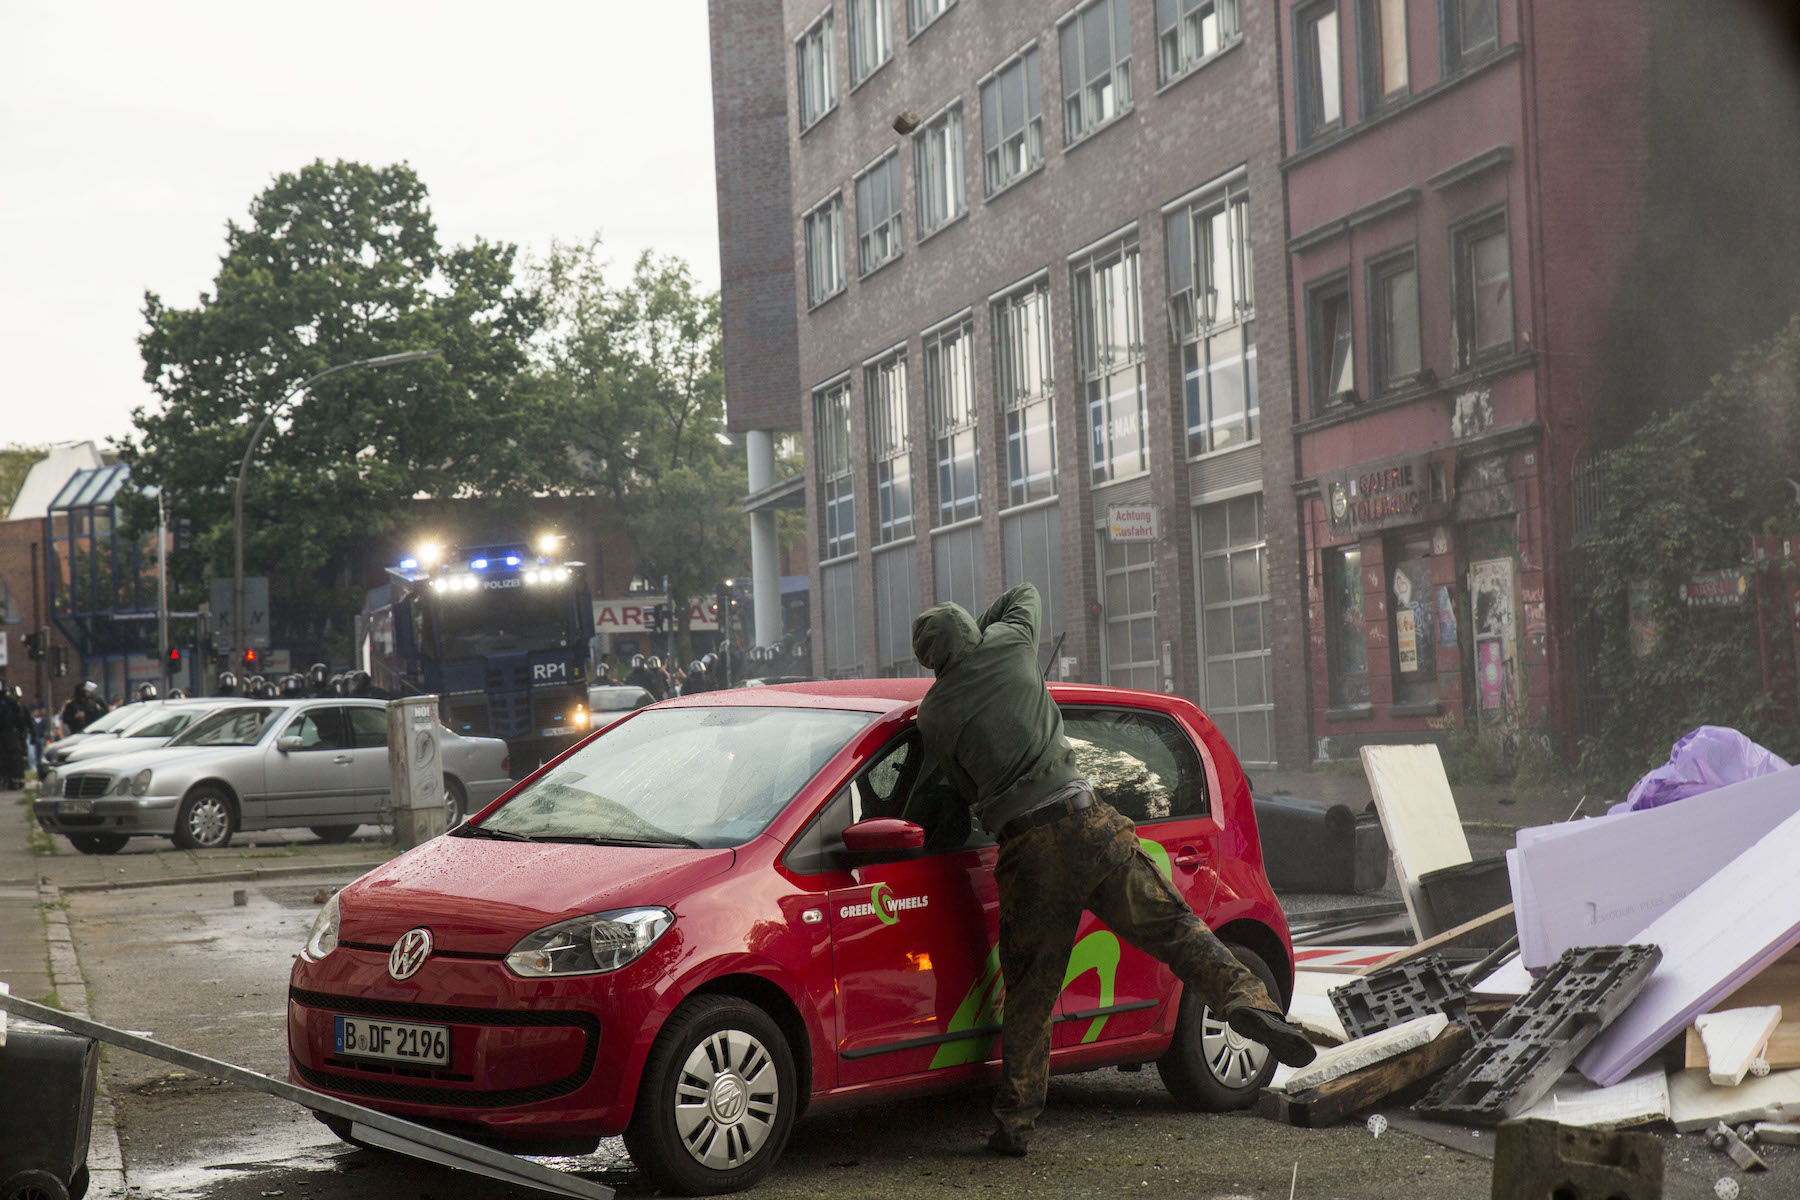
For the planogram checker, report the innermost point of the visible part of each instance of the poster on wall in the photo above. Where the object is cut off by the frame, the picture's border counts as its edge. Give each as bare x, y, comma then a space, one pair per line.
1415, 651
1491, 676
1446, 617
1406, 640
1492, 607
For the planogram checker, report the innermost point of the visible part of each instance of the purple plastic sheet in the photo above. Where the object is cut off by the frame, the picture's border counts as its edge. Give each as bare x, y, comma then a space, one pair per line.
1705, 758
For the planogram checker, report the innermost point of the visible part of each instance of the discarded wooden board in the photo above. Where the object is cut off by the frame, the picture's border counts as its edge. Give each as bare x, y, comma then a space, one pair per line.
1639, 1100
1366, 1051
1779, 983
1715, 940
1778, 1133
1695, 1102
1734, 1038
1436, 942
1605, 879
1349, 1094
1418, 814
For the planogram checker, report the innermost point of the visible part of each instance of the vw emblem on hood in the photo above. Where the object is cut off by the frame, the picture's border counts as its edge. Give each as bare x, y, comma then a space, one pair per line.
409, 953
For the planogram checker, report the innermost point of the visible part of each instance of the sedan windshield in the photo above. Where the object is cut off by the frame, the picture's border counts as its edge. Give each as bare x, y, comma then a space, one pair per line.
109, 721
236, 726
681, 777
164, 724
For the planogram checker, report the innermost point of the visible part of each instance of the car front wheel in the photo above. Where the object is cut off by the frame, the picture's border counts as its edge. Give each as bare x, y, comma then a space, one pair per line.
98, 843
717, 1100
205, 821
1209, 1066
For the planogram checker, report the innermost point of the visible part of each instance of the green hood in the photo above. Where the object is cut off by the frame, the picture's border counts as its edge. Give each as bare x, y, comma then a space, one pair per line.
942, 634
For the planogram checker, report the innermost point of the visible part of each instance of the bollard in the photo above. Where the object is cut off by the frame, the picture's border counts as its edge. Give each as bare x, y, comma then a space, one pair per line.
415, 770
1541, 1158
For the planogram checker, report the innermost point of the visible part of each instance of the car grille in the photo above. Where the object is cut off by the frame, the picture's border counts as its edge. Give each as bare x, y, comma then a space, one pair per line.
85, 787
413, 1093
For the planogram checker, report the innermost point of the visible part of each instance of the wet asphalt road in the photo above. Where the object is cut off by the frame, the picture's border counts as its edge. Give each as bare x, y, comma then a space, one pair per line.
187, 966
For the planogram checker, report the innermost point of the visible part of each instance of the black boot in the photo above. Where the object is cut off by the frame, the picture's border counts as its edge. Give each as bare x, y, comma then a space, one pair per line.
1286, 1043
1012, 1145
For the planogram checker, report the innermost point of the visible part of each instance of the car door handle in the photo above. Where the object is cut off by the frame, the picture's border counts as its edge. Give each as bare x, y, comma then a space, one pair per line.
1188, 858
342, 758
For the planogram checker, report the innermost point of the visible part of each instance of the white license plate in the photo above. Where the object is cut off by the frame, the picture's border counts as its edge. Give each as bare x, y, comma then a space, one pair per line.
74, 808
396, 1041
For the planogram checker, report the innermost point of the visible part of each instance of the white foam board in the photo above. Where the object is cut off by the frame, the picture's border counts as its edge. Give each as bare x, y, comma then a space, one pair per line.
1695, 1102
1734, 1038
1602, 881
1721, 934
1418, 815
1311, 1009
1641, 1098
1366, 1051
1510, 980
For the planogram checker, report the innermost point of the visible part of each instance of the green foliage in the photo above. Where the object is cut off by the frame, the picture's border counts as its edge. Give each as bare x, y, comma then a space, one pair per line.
1683, 495
1476, 756
15, 463
338, 262
632, 373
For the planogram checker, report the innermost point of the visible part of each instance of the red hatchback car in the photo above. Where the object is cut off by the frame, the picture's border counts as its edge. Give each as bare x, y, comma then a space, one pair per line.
724, 911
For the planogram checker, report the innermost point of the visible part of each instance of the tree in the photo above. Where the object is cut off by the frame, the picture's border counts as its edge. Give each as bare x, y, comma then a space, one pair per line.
632, 373
337, 262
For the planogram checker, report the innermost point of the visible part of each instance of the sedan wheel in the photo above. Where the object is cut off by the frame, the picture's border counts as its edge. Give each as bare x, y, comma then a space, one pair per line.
98, 843
205, 822
717, 1099
456, 803
1209, 1066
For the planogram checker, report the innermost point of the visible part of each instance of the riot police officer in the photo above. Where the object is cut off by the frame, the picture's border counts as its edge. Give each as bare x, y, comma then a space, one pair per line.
227, 685
318, 679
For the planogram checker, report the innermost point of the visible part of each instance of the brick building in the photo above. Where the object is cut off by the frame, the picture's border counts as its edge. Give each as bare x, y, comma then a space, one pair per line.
1040, 335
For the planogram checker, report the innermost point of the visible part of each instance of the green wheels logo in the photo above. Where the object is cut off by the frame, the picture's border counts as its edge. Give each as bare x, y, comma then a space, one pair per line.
881, 899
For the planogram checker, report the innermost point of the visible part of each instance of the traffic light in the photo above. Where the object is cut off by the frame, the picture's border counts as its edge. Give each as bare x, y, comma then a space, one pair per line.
59, 661
174, 658
250, 661
662, 619
37, 644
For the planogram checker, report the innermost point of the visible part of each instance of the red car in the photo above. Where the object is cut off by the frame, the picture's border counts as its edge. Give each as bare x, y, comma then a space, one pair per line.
725, 911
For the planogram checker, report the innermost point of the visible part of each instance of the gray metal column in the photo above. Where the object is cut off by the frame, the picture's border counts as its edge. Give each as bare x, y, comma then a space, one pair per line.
765, 565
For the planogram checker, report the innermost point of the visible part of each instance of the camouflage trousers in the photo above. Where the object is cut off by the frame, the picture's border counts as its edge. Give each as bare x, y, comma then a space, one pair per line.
1089, 860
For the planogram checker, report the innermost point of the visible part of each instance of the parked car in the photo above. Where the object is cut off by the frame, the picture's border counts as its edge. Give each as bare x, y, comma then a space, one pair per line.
728, 909
150, 727
609, 702
257, 764
104, 725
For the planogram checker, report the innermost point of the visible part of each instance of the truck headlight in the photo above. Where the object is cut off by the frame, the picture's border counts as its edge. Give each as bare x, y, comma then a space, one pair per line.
592, 944
578, 718
323, 938
140, 783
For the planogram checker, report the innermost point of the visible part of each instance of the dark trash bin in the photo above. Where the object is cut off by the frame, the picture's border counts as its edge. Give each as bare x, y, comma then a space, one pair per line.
1312, 846
47, 1078
1457, 895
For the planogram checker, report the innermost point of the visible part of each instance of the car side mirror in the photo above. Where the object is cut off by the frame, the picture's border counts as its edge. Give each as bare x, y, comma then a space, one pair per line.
881, 839
285, 744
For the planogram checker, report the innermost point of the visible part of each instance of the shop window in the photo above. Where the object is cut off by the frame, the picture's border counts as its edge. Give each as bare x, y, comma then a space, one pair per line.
1346, 642
1412, 621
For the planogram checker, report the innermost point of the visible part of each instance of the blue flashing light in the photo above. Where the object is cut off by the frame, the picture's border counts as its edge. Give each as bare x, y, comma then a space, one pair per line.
478, 564
512, 560
409, 564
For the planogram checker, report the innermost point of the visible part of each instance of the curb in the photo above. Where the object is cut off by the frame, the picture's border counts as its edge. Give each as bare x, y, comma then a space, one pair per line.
106, 1161
249, 875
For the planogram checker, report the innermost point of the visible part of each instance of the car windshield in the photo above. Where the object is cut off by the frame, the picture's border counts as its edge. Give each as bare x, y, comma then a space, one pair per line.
681, 777
617, 699
164, 724
111, 722
236, 726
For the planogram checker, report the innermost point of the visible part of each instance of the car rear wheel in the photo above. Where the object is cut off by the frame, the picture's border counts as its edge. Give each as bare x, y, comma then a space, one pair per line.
206, 820
332, 833
717, 1100
456, 802
98, 843
1209, 1066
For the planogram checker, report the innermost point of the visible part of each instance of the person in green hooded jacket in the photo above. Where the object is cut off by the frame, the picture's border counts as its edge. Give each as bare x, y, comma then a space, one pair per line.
990, 724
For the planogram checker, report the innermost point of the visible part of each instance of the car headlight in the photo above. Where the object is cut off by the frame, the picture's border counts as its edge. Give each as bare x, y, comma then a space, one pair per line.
140, 783
122, 786
592, 944
51, 784
323, 938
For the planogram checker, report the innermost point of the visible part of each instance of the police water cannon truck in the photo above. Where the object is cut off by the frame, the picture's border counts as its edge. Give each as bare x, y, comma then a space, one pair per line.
501, 634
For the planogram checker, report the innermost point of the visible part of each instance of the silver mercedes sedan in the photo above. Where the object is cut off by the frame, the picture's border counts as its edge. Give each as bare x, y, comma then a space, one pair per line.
149, 727
257, 764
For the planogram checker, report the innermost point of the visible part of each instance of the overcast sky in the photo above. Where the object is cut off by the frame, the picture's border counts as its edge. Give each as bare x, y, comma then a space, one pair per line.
130, 133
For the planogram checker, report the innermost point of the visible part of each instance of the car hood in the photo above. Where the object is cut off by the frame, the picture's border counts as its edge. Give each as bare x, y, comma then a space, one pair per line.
112, 747
480, 897
137, 760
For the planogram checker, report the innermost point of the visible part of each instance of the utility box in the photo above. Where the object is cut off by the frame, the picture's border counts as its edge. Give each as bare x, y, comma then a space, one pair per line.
415, 769
47, 1079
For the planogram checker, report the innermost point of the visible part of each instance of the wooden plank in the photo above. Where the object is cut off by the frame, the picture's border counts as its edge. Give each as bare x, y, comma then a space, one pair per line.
1433, 944
1695, 1102
1779, 983
1348, 1095
1418, 814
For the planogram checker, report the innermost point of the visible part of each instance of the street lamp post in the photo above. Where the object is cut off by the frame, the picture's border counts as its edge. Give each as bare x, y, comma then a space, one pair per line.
237, 504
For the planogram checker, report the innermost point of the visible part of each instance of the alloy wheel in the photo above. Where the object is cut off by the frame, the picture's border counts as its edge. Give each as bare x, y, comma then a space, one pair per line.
726, 1099
208, 821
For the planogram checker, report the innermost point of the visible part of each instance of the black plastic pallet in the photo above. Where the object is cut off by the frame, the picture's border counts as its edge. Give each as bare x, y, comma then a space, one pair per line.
1394, 995
1510, 1070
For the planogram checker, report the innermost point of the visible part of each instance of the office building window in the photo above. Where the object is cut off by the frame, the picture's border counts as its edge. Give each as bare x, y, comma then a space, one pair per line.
1109, 355
1333, 345
870, 43
950, 399
1188, 32
1031, 544
1346, 639
1128, 599
1320, 86
831, 433
956, 567
1212, 310
841, 641
1236, 672
1381, 32
1471, 30
815, 63
1394, 320
938, 170
1096, 67
824, 229
1481, 275
878, 212
1012, 122
1023, 378
896, 604
921, 13
890, 445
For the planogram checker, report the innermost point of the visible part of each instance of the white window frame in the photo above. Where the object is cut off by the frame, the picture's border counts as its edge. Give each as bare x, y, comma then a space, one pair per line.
948, 359
1086, 88
890, 442
836, 466
1010, 152
871, 37
1212, 305
939, 175
1025, 386
1185, 27
879, 242
922, 14
1107, 380
815, 72
823, 229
